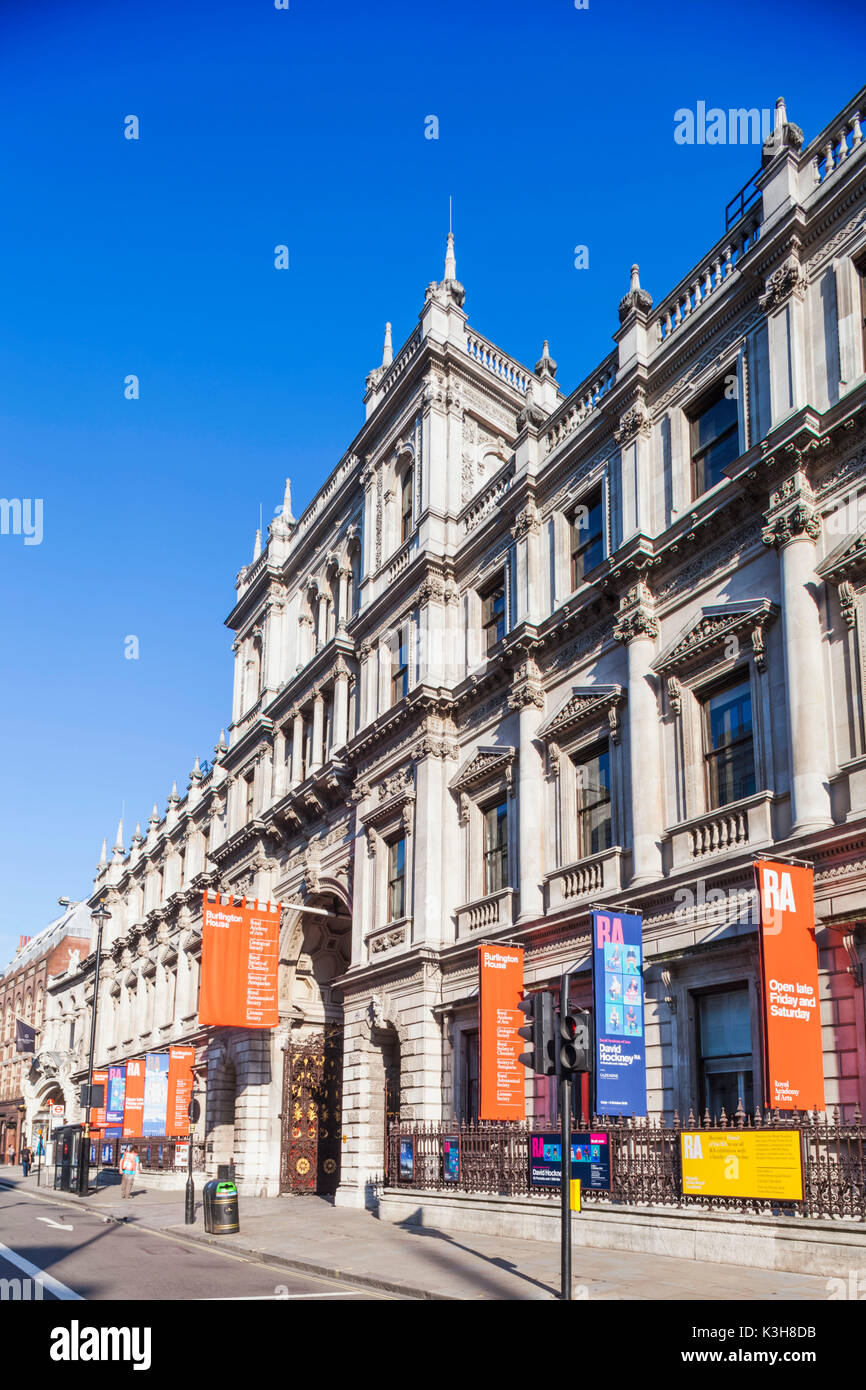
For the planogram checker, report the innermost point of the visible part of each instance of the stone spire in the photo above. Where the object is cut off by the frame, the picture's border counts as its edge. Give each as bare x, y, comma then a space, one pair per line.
545, 366
257, 548
387, 350
637, 300
103, 858
784, 134
118, 843
450, 259
221, 747
287, 503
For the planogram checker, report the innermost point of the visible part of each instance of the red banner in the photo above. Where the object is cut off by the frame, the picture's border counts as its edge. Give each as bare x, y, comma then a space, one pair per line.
180, 1060
793, 1052
97, 1115
500, 990
239, 964
133, 1102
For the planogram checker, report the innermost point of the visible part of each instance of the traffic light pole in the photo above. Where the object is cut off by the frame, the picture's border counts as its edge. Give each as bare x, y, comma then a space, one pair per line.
565, 1121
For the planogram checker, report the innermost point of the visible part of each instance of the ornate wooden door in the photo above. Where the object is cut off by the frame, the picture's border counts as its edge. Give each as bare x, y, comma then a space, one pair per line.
312, 1119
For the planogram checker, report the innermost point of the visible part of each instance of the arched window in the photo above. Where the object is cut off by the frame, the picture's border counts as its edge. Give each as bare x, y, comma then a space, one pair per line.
406, 504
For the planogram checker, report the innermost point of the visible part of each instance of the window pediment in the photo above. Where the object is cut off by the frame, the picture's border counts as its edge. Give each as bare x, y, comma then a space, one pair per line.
847, 560
717, 623
585, 705
485, 765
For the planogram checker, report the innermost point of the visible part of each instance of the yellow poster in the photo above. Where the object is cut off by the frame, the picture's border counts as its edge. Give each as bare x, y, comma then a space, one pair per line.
764, 1163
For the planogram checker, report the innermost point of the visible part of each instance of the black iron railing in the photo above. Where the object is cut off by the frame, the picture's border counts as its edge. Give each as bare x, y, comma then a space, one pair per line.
645, 1161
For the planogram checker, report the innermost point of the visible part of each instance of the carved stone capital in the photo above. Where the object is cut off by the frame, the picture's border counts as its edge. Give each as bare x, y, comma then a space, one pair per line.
792, 513
527, 521
636, 421
786, 282
635, 617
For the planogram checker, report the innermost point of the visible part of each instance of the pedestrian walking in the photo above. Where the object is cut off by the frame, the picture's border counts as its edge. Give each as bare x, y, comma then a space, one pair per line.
10, 1153
129, 1166
26, 1159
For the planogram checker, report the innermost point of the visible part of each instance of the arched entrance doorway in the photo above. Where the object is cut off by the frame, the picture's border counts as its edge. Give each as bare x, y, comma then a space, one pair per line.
317, 952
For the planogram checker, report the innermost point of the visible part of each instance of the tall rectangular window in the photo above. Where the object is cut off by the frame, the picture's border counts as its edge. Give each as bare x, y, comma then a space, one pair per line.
396, 879
493, 613
861, 276
469, 1068
400, 664
592, 775
729, 744
725, 1051
714, 428
587, 536
249, 796
406, 505
496, 847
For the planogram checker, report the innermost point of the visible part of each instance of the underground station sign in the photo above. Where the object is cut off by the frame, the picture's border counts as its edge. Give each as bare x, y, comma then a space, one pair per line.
765, 1164
590, 1160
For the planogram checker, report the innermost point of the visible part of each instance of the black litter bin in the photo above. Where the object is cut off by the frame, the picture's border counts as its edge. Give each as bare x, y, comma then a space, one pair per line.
221, 1208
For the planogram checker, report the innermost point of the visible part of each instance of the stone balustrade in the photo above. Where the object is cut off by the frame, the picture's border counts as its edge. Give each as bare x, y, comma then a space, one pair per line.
494, 910
497, 362
699, 286
598, 873
401, 362
585, 399
488, 500
740, 827
832, 147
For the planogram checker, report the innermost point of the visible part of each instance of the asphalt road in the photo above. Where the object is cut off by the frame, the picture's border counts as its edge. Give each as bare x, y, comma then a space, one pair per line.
68, 1254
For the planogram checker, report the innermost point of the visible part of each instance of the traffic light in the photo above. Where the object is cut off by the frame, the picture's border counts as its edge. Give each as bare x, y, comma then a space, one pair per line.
539, 1031
574, 1046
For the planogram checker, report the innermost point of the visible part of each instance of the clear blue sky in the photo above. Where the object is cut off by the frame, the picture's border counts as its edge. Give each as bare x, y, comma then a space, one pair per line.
155, 257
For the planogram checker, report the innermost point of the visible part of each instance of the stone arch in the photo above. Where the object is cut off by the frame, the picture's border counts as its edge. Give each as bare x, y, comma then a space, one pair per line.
315, 950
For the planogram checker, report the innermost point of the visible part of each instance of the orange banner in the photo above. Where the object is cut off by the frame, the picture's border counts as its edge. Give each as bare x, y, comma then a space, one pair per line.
97, 1114
180, 1060
793, 1052
239, 964
500, 989
133, 1101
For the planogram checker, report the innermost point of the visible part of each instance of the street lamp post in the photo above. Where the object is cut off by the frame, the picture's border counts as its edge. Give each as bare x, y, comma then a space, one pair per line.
193, 1112
100, 917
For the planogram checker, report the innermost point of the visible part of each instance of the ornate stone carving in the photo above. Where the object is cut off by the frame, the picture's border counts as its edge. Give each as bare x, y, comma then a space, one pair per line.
792, 512
790, 279
635, 421
527, 688
527, 521
386, 942
675, 695
848, 602
635, 617
719, 625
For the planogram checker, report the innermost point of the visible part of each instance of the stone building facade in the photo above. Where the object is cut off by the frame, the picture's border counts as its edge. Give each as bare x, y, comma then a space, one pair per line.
528, 651
31, 1083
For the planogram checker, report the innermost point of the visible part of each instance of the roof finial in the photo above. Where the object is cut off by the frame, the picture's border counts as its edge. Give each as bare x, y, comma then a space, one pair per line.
387, 351
287, 502
450, 259
257, 548
103, 858
781, 114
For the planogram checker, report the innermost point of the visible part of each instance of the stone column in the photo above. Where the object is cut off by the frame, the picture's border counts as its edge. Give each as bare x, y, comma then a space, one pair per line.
637, 627
793, 526
341, 705
297, 747
527, 697
305, 639
318, 732
278, 784
343, 575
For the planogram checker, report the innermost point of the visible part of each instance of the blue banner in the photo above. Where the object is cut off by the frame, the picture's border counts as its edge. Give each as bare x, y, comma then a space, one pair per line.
116, 1095
620, 1052
155, 1093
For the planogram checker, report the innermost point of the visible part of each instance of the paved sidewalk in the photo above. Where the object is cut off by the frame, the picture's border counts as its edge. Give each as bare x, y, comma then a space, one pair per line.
309, 1234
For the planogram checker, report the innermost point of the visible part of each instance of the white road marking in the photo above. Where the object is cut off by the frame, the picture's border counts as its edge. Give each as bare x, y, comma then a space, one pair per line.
285, 1297
59, 1224
48, 1281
